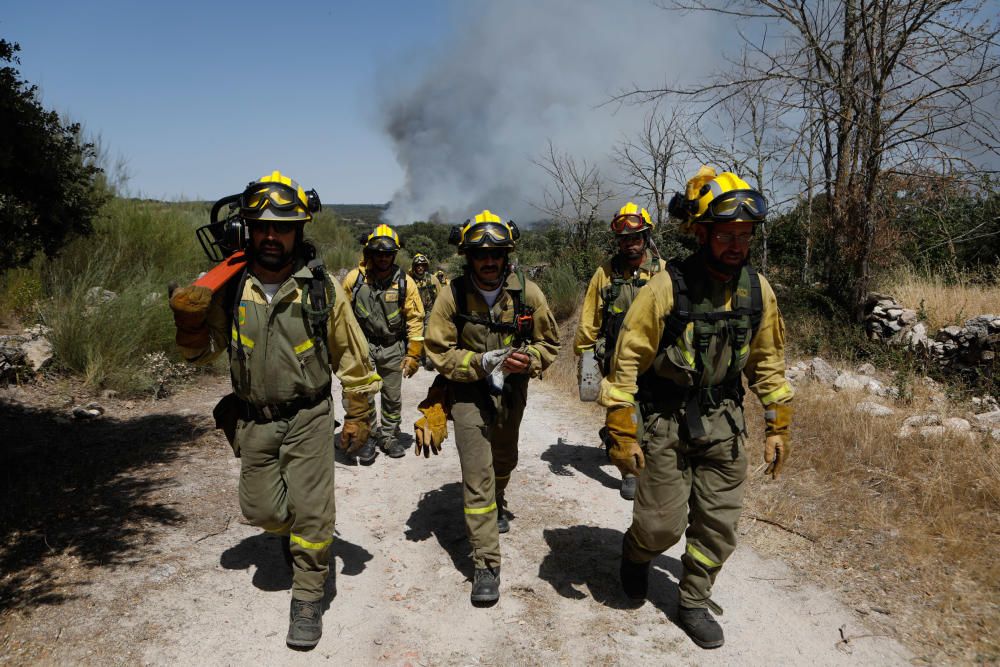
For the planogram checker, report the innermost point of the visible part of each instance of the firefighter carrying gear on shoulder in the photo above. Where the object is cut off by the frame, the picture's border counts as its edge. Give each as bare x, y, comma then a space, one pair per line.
286, 326
610, 293
388, 307
691, 333
488, 333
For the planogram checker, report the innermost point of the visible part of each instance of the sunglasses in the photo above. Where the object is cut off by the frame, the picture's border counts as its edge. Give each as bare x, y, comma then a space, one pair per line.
490, 253
279, 226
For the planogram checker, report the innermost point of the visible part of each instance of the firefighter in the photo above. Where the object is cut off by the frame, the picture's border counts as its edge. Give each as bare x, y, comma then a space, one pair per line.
429, 286
689, 335
282, 415
488, 334
610, 293
388, 308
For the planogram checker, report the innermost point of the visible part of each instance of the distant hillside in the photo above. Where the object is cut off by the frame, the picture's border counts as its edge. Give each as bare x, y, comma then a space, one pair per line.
362, 215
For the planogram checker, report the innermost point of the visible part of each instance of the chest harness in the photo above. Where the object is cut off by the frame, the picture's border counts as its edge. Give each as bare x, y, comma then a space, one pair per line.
519, 331
401, 300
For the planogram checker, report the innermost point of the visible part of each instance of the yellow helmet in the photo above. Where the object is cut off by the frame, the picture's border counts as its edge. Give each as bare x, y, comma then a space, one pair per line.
420, 258
382, 239
711, 197
631, 219
486, 230
277, 197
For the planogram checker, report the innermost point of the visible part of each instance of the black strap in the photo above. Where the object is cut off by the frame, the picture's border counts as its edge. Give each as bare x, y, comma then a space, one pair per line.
287, 410
462, 315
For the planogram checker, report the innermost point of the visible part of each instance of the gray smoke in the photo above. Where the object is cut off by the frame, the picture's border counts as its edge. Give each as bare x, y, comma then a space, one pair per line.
468, 122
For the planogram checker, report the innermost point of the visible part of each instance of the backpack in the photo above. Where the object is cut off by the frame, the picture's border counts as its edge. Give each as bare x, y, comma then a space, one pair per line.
611, 322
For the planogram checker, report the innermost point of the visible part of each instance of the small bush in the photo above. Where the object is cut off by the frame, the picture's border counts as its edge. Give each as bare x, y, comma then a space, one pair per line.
562, 289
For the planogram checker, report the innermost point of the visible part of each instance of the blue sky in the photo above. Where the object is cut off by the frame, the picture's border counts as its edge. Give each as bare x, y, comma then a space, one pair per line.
199, 98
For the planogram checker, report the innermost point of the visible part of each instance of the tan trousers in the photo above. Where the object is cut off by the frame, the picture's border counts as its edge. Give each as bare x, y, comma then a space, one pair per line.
695, 491
286, 487
486, 432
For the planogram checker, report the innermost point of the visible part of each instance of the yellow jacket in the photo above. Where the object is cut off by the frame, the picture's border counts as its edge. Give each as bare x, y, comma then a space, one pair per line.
593, 301
462, 360
291, 365
643, 328
412, 308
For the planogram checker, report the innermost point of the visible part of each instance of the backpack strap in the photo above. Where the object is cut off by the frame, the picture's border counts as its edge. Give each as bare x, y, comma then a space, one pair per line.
756, 300
677, 321
320, 299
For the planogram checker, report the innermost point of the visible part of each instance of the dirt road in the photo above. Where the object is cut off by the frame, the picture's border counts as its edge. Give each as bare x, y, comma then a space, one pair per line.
193, 584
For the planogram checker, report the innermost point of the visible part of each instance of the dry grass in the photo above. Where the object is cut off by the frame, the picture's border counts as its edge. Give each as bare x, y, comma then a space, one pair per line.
906, 525
945, 302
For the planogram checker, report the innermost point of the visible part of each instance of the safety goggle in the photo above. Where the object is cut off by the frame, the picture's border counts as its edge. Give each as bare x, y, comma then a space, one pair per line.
492, 233
275, 195
628, 223
738, 205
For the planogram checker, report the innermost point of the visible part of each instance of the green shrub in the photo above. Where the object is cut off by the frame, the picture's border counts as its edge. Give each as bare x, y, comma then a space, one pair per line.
562, 288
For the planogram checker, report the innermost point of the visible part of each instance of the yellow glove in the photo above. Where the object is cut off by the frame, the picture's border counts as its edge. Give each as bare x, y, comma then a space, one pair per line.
353, 434
777, 442
411, 362
625, 452
431, 430
190, 306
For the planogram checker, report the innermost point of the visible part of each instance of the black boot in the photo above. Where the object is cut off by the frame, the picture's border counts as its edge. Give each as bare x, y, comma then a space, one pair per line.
486, 585
503, 517
700, 626
286, 550
393, 448
366, 455
628, 487
305, 624
634, 577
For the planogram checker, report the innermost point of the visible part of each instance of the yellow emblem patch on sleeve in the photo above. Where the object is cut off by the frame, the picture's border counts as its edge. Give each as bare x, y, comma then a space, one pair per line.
392, 296
243, 313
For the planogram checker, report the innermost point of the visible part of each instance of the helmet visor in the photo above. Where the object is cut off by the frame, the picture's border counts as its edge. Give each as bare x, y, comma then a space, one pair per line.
738, 205
627, 224
275, 195
488, 233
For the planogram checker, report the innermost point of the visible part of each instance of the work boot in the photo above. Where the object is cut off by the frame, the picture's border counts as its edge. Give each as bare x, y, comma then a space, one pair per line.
634, 577
305, 624
503, 516
701, 627
286, 550
366, 455
486, 585
393, 448
627, 490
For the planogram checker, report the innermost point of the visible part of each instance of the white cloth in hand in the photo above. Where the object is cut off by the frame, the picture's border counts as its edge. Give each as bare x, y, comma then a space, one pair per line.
493, 365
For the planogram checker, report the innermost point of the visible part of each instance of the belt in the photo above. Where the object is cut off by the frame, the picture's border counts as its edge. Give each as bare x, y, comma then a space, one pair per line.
385, 341
653, 388
279, 411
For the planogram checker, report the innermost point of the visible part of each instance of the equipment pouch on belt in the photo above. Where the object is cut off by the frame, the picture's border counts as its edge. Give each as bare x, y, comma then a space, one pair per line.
226, 413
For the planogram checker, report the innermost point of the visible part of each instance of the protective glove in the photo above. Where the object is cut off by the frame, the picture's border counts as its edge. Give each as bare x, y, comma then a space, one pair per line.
411, 362
431, 430
493, 365
190, 306
777, 442
354, 434
625, 452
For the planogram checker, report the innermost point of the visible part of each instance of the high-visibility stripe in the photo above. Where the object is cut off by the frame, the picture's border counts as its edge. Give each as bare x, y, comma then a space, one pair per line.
302, 542
374, 377
302, 347
480, 510
244, 341
534, 352
508, 340
744, 350
420, 338
620, 395
392, 314
389, 416
776, 395
700, 557
682, 346
502, 477
465, 362
362, 309
580, 349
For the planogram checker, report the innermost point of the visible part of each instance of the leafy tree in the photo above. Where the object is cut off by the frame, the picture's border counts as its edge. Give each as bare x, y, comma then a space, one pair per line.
423, 244
50, 188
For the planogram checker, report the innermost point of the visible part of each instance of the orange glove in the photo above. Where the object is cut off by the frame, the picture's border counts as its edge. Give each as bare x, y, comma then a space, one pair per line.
190, 306
777, 442
625, 452
353, 434
411, 362
431, 430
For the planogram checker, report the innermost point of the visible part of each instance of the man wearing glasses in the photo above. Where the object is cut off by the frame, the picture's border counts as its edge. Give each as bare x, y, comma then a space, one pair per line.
487, 335
286, 325
690, 335
610, 293
388, 307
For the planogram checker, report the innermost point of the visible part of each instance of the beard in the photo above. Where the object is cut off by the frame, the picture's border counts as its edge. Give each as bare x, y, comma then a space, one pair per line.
273, 256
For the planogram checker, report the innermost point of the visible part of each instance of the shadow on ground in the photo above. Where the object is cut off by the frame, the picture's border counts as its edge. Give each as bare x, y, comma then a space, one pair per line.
588, 557
590, 460
263, 553
82, 490
439, 515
